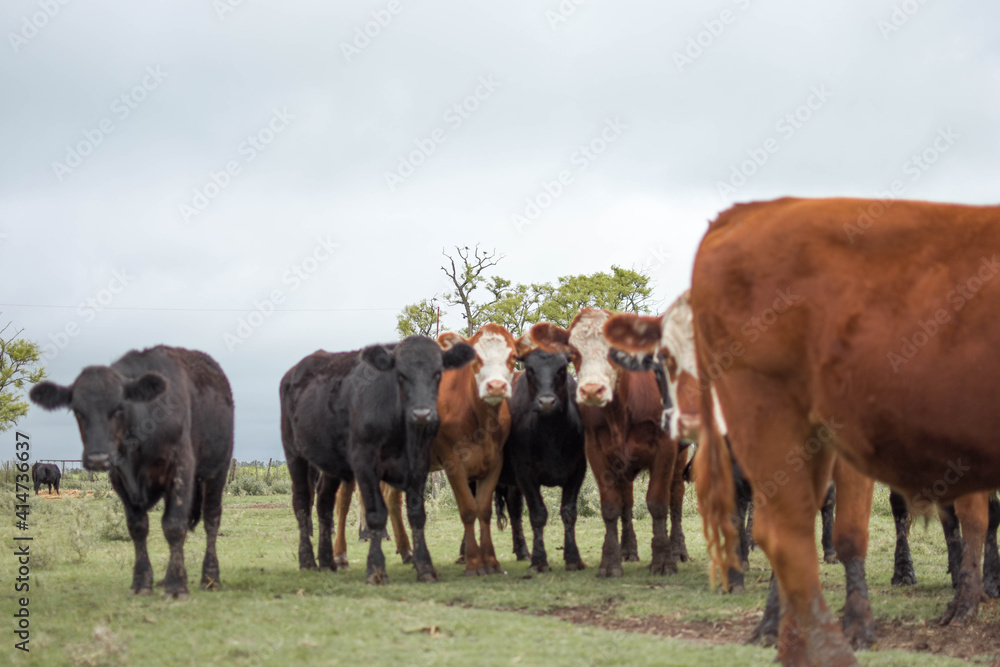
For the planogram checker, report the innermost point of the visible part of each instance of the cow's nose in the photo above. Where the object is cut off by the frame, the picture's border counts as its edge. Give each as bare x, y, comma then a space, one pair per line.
546, 403
98, 461
592, 394
496, 388
421, 415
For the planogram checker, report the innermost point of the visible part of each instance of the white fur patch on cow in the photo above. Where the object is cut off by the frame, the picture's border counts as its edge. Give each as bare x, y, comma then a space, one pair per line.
587, 337
494, 377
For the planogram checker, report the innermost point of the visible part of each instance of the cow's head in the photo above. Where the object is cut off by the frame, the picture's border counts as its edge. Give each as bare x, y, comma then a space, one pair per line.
99, 398
587, 348
416, 364
547, 379
668, 341
496, 352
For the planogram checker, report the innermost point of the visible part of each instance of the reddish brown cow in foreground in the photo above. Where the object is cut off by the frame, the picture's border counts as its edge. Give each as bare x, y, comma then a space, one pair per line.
475, 422
621, 412
856, 328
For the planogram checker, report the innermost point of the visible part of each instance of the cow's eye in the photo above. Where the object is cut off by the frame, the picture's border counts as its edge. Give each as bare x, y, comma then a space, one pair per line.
115, 412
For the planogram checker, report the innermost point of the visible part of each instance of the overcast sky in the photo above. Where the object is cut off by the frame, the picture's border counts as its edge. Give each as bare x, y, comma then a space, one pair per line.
183, 164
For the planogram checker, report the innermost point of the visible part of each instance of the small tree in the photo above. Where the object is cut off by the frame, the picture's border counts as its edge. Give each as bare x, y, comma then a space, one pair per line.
418, 319
18, 366
467, 279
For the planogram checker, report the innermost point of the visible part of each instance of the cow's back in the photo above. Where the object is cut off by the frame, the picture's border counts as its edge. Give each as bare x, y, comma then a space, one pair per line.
883, 323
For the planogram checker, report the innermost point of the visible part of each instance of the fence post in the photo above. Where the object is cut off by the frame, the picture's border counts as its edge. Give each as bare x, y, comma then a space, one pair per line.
267, 477
232, 471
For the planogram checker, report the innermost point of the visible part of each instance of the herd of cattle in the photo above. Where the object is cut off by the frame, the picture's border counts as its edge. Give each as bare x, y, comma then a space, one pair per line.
803, 353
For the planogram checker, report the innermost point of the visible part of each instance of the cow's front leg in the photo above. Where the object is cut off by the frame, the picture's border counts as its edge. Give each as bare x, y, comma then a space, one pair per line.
467, 510
138, 528
212, 516
417, 515
484, 511
678, 543
661, 479
630, 545
376, 515
175, 523
326, 496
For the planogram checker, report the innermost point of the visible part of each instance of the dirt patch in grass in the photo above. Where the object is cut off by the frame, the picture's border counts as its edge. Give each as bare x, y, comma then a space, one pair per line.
259, 506
67, 493
926, 636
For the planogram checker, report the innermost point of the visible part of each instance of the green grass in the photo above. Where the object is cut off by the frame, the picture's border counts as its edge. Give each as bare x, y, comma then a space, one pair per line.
269, 613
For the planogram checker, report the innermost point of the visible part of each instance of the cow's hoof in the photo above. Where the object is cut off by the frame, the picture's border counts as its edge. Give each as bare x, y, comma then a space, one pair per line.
830, 558
142, 590
177, 595
341, 562
904, 579
327, 567
428, 577
991, 589
959, 613
666, 567
210, 584
610, 571
476, 571
495, 569
630, 557
522, 555
377, 578
544, 567
578, 565
763, 635
460, 560
407, 557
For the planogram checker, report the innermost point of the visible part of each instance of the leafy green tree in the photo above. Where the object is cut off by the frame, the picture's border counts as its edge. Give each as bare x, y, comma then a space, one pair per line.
418, 319
19, 360
621, 290
515, 307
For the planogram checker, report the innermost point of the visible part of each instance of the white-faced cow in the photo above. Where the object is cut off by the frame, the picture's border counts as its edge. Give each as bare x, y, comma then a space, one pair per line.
475, 422
161, 421
621, 412
370, 416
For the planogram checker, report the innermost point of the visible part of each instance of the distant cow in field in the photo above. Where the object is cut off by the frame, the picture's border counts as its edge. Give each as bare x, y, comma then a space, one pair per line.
475, 423
545, 447
46, 473
161, 420
368, 415
622, 413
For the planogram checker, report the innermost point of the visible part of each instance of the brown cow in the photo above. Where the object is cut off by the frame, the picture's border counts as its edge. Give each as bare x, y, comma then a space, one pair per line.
621, 412
856, 328
394, 502
475, 422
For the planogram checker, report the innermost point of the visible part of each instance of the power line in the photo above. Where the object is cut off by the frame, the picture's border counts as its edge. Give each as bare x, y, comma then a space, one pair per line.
202, 310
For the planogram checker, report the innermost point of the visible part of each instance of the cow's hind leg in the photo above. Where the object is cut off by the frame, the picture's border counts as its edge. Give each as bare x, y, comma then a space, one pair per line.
515, 507
677, 542
991, 556
972, 511
826, 521
302, 497
765, 633
538, 514
326, 496
211, 515
567, 511
903, 573
850, 539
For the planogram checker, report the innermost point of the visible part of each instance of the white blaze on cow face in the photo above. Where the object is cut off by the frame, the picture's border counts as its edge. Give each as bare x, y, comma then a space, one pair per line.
596, 376
494, 377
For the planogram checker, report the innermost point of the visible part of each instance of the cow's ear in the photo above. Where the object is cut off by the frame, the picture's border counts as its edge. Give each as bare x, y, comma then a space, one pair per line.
147, 387
449, 339
458, 355
50, 395
551, 338
378, 358
632, 332
523, 346
630, 361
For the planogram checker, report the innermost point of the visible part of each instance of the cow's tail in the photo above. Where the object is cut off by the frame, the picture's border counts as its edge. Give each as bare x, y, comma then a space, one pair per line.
196, 502
500, 502
713, 476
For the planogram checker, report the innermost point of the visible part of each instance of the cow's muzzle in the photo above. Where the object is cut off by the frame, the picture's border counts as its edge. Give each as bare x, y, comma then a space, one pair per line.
422, 416
97, 462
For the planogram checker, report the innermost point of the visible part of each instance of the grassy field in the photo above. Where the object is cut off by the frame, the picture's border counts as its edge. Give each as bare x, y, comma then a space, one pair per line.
269, 613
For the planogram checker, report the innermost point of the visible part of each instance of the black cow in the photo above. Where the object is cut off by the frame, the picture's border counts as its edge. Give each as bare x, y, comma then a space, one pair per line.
46, 473
371, 416
545, 447
161, 421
